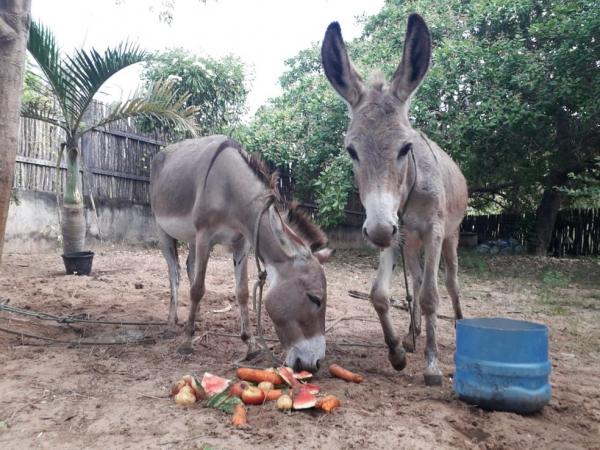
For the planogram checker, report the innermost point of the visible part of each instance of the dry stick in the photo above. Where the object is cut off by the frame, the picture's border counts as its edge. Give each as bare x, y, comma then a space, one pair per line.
59, 341
359, 318
46, 316
395, 303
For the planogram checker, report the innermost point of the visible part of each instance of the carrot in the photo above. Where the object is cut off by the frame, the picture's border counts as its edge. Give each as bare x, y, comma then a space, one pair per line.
328, 403
273, 394
239, 416
257, 375
345, 374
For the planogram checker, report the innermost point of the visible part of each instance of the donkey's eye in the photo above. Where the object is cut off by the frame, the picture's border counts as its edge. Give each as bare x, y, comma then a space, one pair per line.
352, 152
316, 300
404, 150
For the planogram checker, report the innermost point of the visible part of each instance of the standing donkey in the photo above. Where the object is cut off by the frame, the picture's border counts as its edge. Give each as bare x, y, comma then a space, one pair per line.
401, 173
209, 191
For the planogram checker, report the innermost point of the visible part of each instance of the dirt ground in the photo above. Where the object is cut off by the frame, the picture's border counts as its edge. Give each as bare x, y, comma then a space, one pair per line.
117, 396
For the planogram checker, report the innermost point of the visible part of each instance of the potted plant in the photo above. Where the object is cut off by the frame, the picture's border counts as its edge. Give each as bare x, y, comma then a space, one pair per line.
73, 81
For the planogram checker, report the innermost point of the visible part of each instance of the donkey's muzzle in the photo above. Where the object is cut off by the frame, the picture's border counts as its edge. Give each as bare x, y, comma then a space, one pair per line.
380, 234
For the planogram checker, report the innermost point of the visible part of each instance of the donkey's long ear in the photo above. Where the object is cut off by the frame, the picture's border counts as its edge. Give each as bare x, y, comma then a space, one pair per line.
338, 67
290, 242
415, 58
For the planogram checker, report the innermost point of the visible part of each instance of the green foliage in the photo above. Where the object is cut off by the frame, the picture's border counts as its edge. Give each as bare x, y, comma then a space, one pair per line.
332, 189
554, 278
217, 89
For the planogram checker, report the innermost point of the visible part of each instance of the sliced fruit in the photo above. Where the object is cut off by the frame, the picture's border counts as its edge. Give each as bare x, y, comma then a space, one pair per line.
185, 396
193, 383
213, 384
284, 403
288, 376
223, 402
177, 386
303, 399
312, 388
303, 375
253, 396
236, 389
265, 386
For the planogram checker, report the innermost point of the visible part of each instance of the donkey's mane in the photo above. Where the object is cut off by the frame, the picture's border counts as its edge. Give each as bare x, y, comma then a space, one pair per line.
300, 221
302, 224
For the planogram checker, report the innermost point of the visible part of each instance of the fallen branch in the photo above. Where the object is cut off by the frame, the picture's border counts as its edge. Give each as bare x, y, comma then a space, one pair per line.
70, 319
398, 304
341, 319
77, 343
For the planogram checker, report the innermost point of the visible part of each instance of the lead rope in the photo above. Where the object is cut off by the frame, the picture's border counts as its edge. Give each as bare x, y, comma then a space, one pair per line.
260, 283
409, 298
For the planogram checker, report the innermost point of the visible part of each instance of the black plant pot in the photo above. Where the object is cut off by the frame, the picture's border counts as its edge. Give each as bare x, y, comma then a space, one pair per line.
78, 263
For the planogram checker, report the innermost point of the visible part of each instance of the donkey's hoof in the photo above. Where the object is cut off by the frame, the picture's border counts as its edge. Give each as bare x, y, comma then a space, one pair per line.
398, 358
432, 379
185, 350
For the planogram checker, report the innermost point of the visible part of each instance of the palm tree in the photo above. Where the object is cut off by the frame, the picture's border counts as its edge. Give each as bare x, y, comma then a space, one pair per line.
73, 81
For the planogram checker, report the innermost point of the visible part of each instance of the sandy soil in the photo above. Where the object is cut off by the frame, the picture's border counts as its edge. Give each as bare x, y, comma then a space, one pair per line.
116, 396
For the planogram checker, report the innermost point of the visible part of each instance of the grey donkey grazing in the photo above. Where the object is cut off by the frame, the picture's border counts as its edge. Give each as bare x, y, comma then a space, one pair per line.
209, 191
401, 173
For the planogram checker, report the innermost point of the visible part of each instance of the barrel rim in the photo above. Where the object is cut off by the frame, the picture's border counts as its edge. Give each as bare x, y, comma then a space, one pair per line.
501, 324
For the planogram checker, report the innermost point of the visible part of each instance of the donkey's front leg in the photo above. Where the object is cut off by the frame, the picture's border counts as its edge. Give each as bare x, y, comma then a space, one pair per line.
202, 252
240, 267
380, 294
429, 299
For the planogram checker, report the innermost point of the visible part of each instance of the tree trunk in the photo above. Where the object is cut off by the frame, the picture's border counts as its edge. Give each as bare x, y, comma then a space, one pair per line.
545, 219
73, 219
14, 31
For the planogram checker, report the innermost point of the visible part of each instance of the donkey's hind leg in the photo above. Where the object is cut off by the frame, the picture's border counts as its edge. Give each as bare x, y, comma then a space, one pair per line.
241, 248
168, 247
201, 254
429, 299
449, 253
412, 253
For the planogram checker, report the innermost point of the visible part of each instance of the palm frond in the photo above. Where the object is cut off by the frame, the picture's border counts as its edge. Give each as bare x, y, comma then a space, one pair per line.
91, 69
45, 111
42, 46
160, 102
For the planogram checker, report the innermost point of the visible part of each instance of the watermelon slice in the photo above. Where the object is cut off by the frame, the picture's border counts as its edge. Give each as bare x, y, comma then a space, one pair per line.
213, 384
288, 376
312, 388
303, 399
303, 375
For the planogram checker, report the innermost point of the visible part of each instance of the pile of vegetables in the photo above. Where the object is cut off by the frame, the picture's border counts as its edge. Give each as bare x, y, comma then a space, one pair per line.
288, 389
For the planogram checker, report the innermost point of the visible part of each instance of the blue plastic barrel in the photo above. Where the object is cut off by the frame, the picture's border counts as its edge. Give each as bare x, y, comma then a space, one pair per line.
502, 364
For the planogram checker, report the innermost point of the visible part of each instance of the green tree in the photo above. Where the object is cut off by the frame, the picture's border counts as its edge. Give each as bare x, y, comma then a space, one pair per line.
73, 82
217, 87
